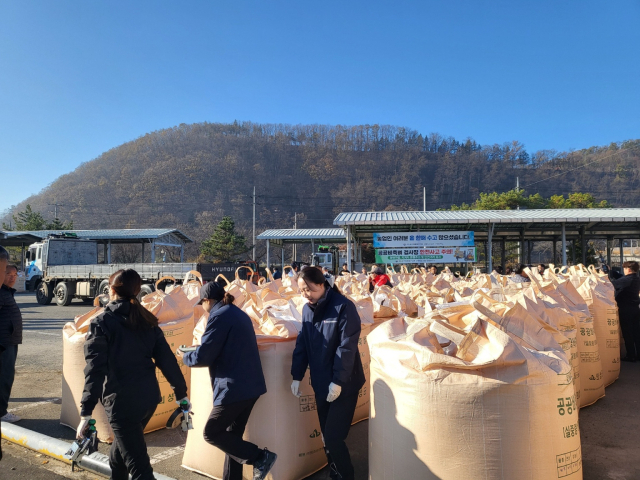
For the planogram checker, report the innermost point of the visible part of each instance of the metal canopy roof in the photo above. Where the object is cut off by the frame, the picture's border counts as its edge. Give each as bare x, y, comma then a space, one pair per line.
304, 235
507, 224
137, 235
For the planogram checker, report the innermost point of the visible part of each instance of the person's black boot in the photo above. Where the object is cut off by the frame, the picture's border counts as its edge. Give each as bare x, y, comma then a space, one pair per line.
264, 464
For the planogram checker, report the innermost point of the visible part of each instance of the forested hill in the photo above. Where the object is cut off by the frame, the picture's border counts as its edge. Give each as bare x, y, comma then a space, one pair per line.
189, 176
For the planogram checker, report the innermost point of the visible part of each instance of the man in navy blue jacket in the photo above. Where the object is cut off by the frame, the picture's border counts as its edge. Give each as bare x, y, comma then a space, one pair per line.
230, 349
328, 345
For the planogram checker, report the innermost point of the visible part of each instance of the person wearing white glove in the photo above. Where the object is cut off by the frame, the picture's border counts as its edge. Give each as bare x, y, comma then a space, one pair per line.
123, 349
328, 346
295, 388
84, 423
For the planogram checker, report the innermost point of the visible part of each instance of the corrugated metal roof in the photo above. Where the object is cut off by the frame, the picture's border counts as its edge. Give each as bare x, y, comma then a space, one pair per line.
303, 234
123, 234
490, 216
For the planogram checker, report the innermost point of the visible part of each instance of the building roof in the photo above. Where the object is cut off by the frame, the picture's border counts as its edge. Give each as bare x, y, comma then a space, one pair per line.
303, 235
506, 224
129, 235
586, 215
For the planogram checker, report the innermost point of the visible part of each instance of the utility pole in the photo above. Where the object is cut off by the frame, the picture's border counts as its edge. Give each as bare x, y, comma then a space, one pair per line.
254, 223
424, 199
55, 208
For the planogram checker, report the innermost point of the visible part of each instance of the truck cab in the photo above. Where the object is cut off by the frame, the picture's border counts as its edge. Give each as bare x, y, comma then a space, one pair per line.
33, 266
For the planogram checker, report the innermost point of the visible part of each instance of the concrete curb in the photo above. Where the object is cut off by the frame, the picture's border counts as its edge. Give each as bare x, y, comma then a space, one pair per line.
52, 447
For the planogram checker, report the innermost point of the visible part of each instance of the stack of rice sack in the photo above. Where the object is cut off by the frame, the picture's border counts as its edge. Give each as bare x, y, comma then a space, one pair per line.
459, 394
175, 311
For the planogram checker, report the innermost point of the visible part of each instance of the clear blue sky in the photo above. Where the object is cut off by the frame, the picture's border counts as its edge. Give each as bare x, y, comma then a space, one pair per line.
80, 77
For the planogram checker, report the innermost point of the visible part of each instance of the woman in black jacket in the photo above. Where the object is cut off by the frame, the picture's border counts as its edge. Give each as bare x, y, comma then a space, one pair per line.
328, 345
124, 346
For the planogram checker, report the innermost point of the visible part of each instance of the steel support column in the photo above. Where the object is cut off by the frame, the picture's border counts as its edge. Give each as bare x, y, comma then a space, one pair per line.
109, 252
153, 251
268, 255
529, 248
490, 248
521, 247
609, 241
349, 247
555, 251
583, 244
564, 244
503, 246
143, 251
282, 259
182, 254
621, 255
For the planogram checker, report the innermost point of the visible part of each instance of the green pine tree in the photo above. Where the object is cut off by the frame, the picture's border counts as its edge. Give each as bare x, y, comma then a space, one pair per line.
224, 244
29, 220
56, 224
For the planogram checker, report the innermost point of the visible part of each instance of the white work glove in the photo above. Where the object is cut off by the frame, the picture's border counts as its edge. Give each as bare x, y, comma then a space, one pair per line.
187, 399
84, 423
334, 392
295, 388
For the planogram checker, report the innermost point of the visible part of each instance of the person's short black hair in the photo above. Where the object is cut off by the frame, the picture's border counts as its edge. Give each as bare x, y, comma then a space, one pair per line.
631, 265
12, 265
4, 255
519, 268
295, 265
498, 269
544, 267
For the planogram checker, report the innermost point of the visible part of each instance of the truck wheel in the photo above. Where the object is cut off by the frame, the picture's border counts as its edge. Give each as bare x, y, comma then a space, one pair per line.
103, 289
144, 291
44, 293
63, 294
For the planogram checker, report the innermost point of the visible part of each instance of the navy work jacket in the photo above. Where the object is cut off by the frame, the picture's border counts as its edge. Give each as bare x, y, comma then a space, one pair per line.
328, 345
230, 349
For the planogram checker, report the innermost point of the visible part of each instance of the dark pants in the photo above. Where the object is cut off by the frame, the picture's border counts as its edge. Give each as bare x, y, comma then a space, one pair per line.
7, 374
335, 421
224, 430
630, 326
128, 454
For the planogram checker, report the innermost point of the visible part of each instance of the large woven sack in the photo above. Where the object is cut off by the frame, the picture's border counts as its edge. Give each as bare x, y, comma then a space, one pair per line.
560, 317
285, 424
362, 407
495, 411
591, 378
605, 322
385, 303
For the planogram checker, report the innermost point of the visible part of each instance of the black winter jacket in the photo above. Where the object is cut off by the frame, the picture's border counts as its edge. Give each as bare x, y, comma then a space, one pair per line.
127, 358
10, 318
627, 289
230, 349
328, 345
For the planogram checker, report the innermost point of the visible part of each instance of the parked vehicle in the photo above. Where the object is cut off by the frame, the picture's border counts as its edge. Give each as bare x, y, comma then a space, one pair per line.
64, 268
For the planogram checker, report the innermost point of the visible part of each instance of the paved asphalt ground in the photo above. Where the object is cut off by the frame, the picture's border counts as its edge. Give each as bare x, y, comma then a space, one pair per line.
610, 446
